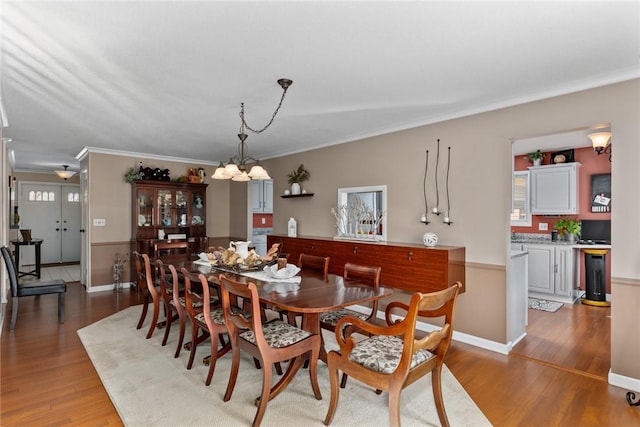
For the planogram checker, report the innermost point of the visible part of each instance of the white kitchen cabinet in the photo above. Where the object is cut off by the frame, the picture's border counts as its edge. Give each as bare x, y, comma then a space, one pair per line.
551, 271
261, 196
554, 189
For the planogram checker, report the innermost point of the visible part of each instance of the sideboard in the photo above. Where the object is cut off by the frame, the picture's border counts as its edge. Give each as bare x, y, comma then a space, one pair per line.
406, 266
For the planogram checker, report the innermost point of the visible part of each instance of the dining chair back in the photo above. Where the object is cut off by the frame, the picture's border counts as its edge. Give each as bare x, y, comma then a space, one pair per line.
394, 356
31, 288
270, 342
207, 318
141, 285
315, 263
171, 247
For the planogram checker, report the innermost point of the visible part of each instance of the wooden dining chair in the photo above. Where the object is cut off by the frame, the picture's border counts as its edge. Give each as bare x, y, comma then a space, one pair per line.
270, 342
196, 298
141, 285
365, 275
318, 264
171, 247
170, 290
209, 320
308, 263
394, 356
31, 288
153, 293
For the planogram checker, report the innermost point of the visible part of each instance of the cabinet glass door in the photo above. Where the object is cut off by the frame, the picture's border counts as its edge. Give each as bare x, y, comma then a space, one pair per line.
197, 209
165, 198
145, 207
181, 208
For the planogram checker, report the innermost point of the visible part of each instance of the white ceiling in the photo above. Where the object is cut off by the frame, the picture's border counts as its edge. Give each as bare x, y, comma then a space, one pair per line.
168, 78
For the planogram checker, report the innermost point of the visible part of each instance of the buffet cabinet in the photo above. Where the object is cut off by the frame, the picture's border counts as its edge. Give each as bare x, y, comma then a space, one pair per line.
168, 210
405, 266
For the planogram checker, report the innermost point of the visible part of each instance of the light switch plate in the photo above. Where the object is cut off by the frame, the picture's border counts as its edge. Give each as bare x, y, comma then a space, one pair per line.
99, 222
543, 226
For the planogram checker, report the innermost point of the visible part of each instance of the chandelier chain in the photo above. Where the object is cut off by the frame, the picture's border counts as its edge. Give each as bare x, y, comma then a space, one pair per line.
273, 116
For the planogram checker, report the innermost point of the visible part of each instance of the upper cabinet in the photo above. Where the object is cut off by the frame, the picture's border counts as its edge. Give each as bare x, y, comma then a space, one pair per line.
554, 189
261, 196
520, 209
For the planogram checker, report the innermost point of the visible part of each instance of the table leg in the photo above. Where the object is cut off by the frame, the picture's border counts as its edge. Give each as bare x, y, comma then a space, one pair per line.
38, 258
311, 323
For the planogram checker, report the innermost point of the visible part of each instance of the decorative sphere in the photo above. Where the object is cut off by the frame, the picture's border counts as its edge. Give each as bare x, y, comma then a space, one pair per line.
429, 239
287, 192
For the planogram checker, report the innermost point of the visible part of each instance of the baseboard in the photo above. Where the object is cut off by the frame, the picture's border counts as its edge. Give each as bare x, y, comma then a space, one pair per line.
105, 288
624, 382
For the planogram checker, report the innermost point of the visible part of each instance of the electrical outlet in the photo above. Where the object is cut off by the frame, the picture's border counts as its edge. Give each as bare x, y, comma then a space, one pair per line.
99, 222
264, 221
543, 226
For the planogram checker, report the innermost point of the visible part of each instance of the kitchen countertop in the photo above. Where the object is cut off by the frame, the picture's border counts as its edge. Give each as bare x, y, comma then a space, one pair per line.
575, 245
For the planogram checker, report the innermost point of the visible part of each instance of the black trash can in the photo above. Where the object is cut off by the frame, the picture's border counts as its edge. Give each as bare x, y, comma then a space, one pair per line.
596, 277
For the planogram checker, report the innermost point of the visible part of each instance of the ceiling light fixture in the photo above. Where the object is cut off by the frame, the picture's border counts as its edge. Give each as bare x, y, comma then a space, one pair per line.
65, 174
238, 171
600, 141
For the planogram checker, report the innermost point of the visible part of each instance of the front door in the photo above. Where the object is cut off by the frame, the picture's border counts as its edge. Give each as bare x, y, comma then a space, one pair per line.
52, 212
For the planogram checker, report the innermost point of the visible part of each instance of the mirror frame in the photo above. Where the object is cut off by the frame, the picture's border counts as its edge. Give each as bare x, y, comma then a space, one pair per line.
343, 195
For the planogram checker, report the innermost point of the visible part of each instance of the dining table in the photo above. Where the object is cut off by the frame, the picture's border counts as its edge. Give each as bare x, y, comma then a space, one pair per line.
308, 295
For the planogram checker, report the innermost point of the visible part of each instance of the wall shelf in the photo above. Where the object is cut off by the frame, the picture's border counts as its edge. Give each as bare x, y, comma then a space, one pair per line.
297, 195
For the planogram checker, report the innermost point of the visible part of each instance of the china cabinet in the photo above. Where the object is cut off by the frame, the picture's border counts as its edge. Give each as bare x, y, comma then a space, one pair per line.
174, 208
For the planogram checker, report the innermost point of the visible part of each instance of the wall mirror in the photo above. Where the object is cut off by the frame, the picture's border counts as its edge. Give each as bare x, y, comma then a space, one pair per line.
362, 213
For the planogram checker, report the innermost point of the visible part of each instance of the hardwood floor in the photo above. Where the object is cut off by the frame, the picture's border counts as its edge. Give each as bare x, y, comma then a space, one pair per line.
48, 379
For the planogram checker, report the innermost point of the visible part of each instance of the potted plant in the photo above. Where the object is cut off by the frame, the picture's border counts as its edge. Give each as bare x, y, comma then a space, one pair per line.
567, 227
296, 177
535, 157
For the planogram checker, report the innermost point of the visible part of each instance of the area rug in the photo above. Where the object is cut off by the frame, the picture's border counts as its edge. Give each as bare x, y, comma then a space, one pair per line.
149, 387
544, 305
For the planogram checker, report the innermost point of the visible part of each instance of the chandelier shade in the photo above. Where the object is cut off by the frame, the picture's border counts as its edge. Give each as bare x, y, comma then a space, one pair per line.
238, 171
65, 174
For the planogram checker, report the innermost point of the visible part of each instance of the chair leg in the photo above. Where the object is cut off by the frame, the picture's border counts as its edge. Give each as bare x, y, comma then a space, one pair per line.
394, 404
264, 396
194, 344
169, 320
14, 313
343, 382
436, 386
335, 391
154, 321
145, 308
233, 372
182, 330
61, 298
214, 358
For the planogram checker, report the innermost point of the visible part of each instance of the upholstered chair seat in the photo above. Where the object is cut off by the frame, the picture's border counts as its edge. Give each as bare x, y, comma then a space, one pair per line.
332, 317
383, 353
278, 334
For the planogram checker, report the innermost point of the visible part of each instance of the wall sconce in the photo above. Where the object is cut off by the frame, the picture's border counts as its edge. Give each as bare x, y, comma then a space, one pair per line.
601, 143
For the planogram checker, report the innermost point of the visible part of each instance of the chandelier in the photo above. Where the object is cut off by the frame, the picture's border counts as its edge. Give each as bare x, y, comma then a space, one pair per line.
236, 168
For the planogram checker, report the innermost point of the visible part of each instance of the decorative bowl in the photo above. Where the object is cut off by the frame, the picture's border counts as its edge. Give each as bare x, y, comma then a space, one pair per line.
284, 273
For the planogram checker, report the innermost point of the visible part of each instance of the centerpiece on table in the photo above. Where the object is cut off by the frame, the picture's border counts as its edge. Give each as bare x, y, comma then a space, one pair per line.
230, 258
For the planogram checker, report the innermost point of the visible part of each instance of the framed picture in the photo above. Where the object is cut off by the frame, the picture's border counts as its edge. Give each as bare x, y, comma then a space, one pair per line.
26, 235
601, 193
